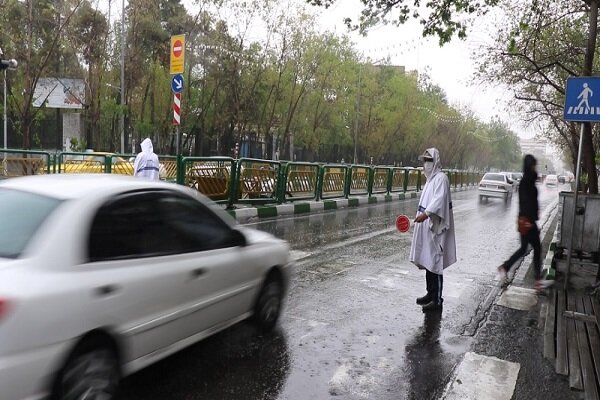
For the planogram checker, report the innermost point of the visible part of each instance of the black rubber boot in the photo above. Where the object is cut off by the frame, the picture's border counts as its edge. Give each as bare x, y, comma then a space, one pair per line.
424, 300
432, 306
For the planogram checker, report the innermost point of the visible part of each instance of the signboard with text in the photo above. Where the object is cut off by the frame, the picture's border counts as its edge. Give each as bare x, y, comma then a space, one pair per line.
177, 65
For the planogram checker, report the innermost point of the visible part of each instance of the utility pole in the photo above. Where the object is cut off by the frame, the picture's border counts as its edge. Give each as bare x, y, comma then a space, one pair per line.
122, 117
6, 65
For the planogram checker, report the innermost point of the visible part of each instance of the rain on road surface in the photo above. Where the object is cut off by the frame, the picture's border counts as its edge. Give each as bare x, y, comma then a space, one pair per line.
351, 328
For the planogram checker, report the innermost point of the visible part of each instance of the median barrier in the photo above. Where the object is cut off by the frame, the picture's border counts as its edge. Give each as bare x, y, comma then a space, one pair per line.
214, 177
300, 181
22, 163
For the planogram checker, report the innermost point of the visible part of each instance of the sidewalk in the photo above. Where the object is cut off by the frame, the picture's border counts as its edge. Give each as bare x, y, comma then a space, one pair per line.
253, 213
513, 346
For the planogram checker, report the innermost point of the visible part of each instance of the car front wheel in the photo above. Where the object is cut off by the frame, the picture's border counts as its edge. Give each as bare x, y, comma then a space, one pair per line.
92, 372
268, 305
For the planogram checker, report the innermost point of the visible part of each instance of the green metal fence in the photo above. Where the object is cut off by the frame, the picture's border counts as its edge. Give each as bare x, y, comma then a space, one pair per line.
212, 176
413, 181
257, 181
229, 181
83, 163
22, 163
380, 180
399, 180
358, 180
300, 181
332, 181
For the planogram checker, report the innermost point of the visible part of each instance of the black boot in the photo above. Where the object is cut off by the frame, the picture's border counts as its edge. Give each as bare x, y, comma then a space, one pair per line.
424, 300
432, 306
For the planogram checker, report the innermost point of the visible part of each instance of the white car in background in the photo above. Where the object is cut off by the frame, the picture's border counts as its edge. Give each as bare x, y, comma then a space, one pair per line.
102, 275
496, 185
551, 180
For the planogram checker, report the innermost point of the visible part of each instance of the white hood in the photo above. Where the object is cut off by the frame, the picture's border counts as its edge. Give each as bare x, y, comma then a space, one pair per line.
147, 146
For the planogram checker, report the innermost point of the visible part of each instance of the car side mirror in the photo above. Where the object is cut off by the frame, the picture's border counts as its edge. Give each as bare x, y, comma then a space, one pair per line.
238, 238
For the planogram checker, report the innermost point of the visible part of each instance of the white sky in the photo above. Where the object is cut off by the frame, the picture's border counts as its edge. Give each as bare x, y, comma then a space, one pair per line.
451, 67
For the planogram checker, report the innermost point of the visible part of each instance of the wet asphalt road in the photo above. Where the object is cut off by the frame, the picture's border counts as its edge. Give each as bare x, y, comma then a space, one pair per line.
351, 328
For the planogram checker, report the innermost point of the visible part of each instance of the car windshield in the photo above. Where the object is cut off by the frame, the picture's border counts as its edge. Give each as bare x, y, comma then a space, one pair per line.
21, 214
494, 177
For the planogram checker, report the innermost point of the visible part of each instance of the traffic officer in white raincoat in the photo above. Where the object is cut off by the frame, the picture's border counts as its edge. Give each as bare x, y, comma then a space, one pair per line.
433, 247
146, 163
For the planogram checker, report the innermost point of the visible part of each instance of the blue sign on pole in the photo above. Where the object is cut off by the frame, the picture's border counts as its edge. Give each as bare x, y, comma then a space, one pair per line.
177, 83
582, 99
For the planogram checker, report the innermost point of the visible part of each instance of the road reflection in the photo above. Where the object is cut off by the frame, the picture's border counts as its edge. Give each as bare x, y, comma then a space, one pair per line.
234, 364
426, 368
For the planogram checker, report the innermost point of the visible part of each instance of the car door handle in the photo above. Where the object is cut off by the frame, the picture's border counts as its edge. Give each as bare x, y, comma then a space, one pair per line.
105, 290
198, 272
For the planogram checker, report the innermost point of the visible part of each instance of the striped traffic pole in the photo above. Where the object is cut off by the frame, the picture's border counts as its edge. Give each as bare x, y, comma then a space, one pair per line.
176, 108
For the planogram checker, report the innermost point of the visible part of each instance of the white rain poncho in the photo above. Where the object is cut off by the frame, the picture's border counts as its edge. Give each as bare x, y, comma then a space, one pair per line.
433, 246
146, 163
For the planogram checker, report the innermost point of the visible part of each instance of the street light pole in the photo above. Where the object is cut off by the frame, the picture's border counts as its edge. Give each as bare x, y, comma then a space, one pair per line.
122, 117
357, 112
5, 113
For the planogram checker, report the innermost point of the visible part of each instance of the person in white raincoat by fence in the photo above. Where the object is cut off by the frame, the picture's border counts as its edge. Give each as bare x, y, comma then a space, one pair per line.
146, 163
434, 247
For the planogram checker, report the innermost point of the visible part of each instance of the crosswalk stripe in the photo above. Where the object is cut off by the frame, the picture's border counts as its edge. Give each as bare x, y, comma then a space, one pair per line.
481, 377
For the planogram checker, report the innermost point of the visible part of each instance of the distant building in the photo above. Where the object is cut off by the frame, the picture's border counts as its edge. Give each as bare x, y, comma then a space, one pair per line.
534, 146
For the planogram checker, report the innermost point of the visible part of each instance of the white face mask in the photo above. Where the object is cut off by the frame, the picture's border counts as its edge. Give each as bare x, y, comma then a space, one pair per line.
428, 168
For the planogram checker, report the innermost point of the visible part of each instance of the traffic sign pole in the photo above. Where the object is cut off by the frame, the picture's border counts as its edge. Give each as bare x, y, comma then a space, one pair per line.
574, 212
581, 106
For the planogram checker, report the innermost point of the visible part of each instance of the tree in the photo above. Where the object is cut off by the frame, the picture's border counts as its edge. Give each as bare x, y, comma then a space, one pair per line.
534, 64
441, 18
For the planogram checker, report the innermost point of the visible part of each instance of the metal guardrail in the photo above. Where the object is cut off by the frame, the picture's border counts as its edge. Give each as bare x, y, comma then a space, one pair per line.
413, 181
214, 177
258, 181
300, 181
229, 181
22, 163
82, 163
333, 181
398, 180
358, 180
380, 180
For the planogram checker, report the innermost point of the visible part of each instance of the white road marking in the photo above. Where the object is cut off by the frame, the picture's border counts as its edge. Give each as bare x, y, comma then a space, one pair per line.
483, 378
298, 254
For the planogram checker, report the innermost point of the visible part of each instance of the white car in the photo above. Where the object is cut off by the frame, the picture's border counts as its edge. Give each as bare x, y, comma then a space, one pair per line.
495, 184
551, 180
102, 275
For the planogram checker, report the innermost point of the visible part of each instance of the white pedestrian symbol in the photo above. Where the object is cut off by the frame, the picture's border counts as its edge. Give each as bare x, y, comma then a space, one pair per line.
585, 93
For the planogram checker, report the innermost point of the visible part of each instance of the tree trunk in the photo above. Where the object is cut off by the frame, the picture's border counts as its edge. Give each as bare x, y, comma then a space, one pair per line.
589, 153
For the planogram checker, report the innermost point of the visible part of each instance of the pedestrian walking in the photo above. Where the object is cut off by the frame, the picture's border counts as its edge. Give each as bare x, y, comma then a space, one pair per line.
526, 224
434, 247
146, 163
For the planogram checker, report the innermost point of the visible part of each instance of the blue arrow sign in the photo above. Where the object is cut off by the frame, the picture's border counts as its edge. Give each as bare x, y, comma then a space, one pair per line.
582, 99
177, 83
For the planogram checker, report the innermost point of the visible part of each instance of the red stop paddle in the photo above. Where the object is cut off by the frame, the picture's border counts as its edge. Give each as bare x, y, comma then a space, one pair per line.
402, 223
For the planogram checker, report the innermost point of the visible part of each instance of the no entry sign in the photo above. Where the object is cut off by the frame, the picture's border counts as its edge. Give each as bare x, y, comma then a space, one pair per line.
177, 54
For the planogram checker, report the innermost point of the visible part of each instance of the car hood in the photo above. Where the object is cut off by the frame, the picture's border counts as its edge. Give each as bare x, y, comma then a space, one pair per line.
254, 236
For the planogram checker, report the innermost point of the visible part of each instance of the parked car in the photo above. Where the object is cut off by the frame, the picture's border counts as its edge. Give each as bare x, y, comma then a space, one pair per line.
103, 275
513, 179
551, 180
495, 184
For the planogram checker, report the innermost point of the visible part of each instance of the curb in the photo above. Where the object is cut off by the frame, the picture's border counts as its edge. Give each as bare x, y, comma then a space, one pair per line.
311, 207
549, 264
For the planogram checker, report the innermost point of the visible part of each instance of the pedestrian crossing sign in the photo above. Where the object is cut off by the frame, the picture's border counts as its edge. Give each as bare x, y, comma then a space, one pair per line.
582, 99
